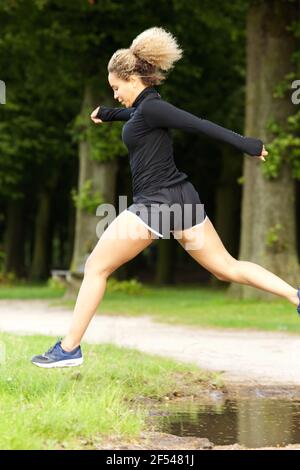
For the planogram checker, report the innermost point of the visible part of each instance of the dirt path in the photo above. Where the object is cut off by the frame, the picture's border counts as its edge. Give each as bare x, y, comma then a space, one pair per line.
244, 357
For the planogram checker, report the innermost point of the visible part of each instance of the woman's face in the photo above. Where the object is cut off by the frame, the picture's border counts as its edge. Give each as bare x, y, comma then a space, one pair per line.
125, 91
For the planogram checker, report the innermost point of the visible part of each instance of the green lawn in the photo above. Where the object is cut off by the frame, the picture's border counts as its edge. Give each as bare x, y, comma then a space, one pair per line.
30, 291
79, 407
76, 408
203, 307
199, 306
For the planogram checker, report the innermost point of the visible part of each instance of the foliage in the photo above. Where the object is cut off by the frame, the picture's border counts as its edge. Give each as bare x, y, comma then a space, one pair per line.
132, 286
56, 283
8, 279
104, 140
87, 199
285, 146
274, 241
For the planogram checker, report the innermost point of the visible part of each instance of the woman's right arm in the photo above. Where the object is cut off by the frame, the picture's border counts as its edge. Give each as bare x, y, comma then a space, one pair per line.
103, 114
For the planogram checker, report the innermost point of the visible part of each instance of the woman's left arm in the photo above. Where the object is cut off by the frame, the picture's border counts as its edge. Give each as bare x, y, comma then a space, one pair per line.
159, 113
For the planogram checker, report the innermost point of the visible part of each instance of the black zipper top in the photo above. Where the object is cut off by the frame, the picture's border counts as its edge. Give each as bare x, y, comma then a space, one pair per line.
147, 136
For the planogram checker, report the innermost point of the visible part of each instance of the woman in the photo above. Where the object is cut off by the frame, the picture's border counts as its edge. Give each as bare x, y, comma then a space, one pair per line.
157, 183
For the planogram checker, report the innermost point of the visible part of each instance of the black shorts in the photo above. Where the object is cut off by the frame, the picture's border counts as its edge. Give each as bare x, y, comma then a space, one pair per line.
168, 209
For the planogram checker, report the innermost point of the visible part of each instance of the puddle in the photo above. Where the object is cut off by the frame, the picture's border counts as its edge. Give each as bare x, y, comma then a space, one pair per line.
255, 421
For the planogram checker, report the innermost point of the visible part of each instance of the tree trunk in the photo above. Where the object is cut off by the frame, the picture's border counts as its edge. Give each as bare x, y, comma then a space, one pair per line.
227, 219
40, 262
165, 263
70, 234
103, 177
298, 212
268, 206
14, 245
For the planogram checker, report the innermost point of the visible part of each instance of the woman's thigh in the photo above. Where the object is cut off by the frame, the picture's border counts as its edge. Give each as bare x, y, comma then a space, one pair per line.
203, 243
123, 239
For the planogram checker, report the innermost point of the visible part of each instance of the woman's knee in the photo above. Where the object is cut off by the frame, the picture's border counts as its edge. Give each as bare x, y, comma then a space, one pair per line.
94, 267
220, 277
228, 272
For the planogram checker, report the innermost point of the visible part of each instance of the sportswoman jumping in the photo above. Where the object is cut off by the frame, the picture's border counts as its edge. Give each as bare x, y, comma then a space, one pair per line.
157, 184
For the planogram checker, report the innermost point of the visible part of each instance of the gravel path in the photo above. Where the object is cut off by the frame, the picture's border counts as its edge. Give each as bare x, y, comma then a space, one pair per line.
257, 358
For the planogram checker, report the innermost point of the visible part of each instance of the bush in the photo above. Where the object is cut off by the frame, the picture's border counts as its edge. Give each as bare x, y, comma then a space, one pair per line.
132, 286
56, 283
8, 279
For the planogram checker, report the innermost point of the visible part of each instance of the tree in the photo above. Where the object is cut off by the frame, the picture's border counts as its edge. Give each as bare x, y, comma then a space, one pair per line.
268, 208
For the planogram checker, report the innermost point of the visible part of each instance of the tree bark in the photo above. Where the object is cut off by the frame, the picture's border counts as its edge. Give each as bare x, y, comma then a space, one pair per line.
39, 269
103, 176
14, 244
228, 194
268, 206
165, 264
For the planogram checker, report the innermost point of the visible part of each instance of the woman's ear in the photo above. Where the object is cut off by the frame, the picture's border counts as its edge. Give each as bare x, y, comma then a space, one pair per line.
134, 80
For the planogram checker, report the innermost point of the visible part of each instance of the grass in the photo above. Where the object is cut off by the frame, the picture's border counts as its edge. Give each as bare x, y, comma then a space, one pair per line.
186, 305
78, 408
203, 307
31, 291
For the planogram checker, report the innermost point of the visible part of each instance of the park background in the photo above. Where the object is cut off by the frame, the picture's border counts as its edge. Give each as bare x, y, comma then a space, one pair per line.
56, 166
241, 59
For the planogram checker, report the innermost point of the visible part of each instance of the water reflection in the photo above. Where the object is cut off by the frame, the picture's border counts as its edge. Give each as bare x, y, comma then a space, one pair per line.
252, 422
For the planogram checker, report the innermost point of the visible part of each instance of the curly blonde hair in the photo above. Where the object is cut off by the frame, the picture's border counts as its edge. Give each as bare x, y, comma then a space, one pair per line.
151, 56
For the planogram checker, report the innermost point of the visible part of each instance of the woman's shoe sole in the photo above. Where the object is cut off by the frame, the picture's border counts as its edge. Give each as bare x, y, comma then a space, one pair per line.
66, 363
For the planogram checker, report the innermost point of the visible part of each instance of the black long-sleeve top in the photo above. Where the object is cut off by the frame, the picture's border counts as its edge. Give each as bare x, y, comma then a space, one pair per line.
148, 139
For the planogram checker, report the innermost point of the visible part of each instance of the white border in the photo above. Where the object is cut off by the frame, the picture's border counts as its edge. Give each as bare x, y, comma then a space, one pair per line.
159, 234
144, 223
200, 223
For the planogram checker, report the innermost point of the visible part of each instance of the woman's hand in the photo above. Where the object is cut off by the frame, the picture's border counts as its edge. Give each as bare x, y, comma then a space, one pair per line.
264, 153
94, 114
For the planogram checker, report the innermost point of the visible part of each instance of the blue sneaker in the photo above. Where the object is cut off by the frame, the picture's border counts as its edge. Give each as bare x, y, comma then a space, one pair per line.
57, 357
298, 308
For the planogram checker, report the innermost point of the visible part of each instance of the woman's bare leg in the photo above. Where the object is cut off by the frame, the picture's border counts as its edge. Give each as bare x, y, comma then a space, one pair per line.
208, 250
112, 250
